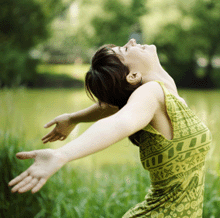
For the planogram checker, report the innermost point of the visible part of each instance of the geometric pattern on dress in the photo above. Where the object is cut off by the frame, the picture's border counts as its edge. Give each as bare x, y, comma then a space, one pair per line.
176, 166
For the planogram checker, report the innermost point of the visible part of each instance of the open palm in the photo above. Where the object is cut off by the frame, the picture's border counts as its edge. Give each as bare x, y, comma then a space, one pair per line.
46, 163
62, 129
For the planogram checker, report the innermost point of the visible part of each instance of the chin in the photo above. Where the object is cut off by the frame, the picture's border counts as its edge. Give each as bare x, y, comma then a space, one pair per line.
153, 46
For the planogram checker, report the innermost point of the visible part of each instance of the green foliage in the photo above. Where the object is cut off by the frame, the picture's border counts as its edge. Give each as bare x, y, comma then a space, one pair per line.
24, 24
182, 30
17, 67
194, 33
212, 195
76, 192
17, 205
72, 192
48, 80
205, 26
75, 70
114, 21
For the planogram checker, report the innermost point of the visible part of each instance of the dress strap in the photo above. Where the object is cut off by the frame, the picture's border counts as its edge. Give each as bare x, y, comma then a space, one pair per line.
169, 107
163, 87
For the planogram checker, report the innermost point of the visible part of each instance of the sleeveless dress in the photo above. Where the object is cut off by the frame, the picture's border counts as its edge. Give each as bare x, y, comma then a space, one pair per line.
176, 166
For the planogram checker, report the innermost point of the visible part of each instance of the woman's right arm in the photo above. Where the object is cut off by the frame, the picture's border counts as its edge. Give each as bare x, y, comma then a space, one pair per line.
93, 113
65, 123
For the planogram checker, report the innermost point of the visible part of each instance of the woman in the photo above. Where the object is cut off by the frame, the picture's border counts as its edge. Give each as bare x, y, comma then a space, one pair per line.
137, 99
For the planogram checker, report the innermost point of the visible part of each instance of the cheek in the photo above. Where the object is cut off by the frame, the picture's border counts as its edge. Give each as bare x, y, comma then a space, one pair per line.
138, 58
134, 57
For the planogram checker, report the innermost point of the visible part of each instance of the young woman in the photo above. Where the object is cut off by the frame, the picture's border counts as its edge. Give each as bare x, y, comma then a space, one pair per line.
137, 99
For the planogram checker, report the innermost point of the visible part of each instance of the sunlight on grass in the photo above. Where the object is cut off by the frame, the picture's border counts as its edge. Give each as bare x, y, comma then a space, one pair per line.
105, 184
76, 70
25, 112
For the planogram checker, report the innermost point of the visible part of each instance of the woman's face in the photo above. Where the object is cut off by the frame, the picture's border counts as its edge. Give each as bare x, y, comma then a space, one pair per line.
138, 57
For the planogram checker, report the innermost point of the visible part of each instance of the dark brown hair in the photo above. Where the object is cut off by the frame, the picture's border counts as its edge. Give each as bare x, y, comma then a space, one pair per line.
106, 80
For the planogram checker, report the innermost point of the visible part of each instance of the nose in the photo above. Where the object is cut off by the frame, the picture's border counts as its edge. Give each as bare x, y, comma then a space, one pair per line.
132, 42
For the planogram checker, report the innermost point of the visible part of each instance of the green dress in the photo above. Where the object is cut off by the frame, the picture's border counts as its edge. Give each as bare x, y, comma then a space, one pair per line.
176, 166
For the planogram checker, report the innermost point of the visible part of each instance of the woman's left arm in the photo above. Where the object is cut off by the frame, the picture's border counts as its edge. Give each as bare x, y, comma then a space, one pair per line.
135, 115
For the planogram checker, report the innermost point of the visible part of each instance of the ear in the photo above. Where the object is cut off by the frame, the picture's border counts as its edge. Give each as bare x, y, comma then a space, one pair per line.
134, 78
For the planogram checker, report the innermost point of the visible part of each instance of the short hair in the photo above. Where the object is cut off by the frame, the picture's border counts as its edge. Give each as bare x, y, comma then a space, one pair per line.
106, 80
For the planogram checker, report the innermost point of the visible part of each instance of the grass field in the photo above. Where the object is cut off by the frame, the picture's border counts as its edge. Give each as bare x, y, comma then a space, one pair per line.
103, 185
77, 71
104, 191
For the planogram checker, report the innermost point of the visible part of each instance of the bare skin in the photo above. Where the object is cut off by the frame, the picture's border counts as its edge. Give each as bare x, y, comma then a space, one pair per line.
65, 123
144, 65
145, 105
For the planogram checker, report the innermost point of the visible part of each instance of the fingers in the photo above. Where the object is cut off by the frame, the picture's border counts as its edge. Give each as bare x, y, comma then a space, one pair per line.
45, 140
51, 137
39, 185
21, 184
50, 134
28, 186
47, 137
52, 122
29, 183
26, 155
55, 138
18, 178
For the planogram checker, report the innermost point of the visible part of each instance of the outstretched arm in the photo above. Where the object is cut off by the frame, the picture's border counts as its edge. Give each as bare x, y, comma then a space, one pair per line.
65, 123
93, 113
135, 115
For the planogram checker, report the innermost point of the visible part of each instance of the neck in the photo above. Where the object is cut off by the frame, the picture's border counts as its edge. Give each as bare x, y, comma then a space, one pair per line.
155, 74
159, 75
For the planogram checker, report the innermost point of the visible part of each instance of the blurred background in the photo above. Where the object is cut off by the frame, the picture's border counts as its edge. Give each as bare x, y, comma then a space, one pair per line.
40, 37
45, 50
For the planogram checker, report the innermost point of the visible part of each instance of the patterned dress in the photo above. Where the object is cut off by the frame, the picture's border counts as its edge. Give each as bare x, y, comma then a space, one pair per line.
176, 166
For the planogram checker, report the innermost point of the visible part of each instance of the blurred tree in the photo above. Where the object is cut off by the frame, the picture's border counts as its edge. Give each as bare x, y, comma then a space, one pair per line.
112, 22
23, 25
195, 33
206, 29
63, 46
176, 46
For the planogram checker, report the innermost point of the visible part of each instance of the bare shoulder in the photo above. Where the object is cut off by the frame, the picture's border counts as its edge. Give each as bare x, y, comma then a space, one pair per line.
148, 90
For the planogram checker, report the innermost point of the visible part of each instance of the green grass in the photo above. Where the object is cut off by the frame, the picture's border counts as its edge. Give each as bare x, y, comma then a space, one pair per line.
76, 70
104, 192
108, 191
105, 184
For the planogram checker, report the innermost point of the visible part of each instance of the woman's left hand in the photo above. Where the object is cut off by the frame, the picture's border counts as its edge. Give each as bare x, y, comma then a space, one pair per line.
47, 162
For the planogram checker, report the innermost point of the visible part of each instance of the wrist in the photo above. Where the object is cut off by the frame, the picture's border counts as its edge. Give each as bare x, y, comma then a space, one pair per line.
73, 119
61, 156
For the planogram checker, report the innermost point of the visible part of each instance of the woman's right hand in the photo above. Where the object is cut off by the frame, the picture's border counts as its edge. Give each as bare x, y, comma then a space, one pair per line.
47, 162
62, 129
